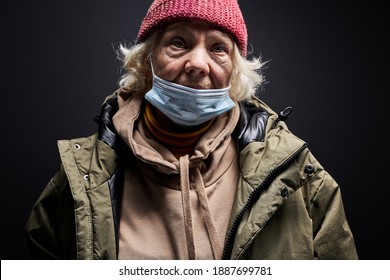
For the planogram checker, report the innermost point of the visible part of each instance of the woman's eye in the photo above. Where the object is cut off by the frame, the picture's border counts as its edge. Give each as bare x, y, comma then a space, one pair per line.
178, 43
219, 48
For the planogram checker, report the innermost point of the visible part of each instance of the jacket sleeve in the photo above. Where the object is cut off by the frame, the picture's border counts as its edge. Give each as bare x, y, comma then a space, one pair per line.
333, 238
49, 230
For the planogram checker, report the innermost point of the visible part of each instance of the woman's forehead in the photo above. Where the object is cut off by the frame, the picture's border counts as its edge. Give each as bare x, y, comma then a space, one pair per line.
188, 25
192, 28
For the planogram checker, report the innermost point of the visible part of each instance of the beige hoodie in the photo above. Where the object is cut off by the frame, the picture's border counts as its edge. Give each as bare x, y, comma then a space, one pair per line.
175, 208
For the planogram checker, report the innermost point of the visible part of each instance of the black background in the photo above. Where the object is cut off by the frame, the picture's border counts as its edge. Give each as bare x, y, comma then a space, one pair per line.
327, 59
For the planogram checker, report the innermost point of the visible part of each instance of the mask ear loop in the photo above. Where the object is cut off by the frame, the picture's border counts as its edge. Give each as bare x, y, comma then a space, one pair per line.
149, 59
151, 67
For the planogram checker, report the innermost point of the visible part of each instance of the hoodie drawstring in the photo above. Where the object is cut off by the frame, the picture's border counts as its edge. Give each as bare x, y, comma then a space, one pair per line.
210, 224
186, 204
203, 201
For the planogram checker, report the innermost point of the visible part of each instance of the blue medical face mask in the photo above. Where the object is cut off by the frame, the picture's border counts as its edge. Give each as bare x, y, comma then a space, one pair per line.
188, 106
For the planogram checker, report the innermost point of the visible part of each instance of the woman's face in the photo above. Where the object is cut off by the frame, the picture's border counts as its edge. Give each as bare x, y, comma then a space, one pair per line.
194, 54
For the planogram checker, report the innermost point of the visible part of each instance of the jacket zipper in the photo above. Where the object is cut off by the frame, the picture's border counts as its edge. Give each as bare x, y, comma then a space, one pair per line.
253, 195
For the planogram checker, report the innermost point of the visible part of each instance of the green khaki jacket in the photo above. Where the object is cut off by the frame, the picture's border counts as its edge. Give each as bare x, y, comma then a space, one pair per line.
286, 207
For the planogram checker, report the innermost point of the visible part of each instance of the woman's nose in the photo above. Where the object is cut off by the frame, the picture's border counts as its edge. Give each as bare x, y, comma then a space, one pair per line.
197, 62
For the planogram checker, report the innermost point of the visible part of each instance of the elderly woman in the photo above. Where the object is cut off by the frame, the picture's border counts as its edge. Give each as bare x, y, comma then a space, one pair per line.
187, 162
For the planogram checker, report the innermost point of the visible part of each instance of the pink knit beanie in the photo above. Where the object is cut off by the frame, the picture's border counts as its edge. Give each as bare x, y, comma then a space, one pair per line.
224, 14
